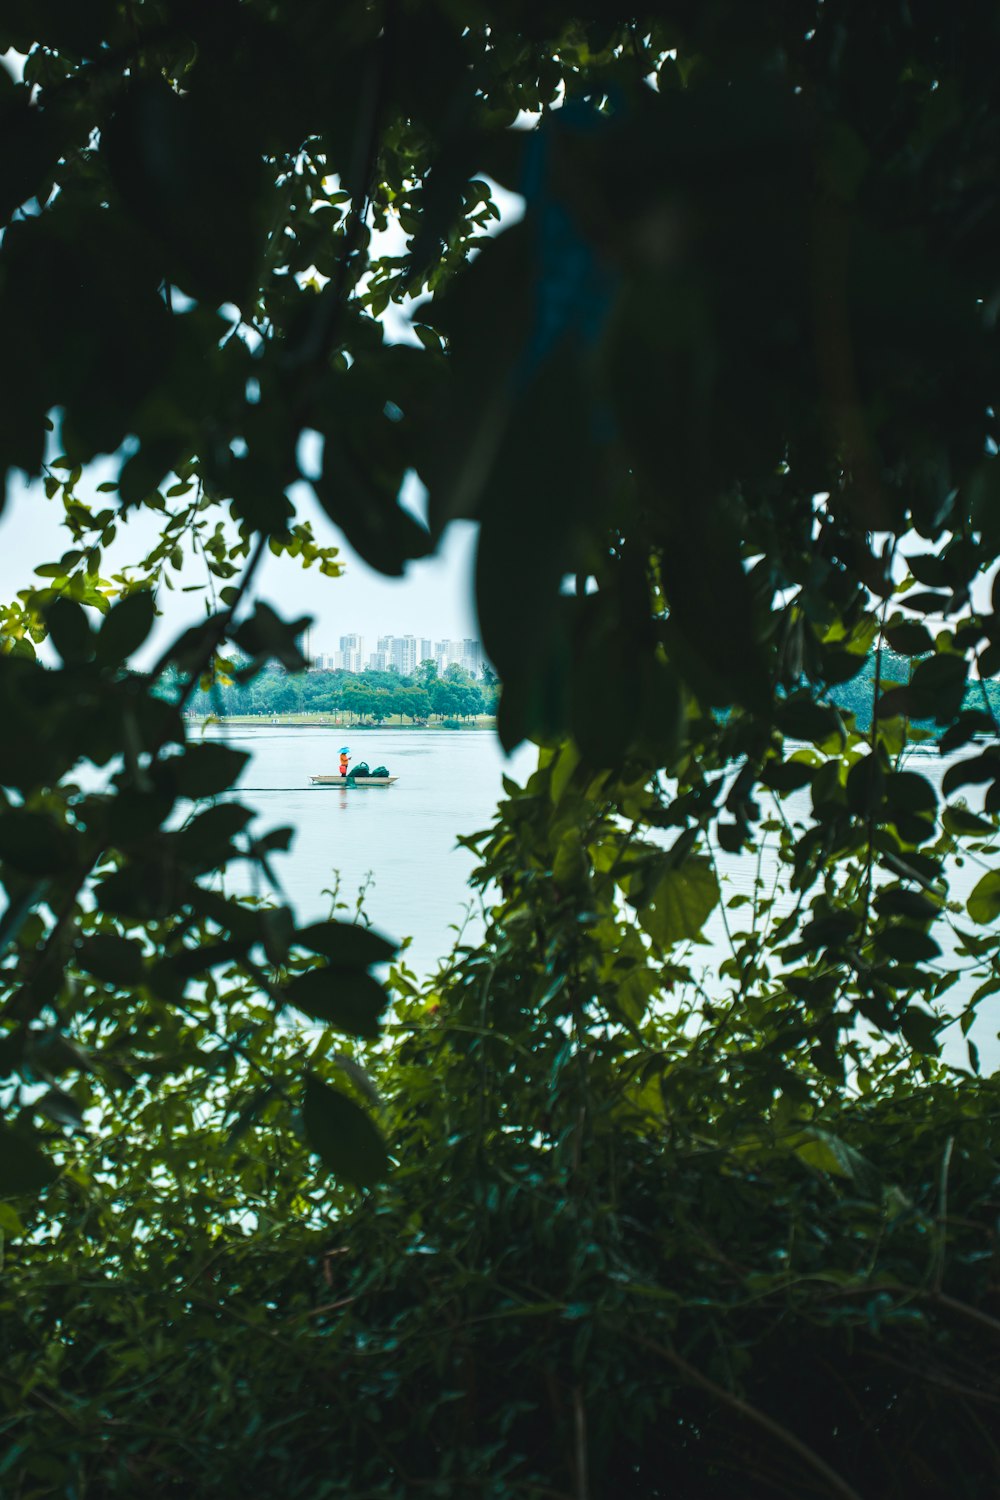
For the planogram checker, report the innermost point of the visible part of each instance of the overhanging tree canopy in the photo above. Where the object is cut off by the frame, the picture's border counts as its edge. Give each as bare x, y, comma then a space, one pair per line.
741, 345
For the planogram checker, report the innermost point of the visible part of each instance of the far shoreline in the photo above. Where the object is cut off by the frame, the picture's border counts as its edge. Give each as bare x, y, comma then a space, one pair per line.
334, 721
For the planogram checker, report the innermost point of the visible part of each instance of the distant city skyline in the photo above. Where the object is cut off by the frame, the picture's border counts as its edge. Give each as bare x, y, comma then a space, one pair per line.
395, 653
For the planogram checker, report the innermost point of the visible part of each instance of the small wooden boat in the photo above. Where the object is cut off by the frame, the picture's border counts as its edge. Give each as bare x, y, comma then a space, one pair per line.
353, 780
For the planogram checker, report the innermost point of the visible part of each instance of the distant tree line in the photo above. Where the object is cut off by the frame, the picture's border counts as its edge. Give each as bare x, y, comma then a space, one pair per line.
370, 696
377, 696
980, 695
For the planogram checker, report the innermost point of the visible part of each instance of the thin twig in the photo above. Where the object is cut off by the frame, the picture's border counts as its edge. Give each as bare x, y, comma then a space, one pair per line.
870, 823
581, 1485
837, 1484
941, 1236
963, 1308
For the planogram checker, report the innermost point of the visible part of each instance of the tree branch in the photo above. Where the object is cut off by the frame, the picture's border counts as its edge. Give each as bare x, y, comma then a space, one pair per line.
836, 1484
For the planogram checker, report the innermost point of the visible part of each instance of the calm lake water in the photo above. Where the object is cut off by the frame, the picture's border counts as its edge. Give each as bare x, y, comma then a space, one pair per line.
403, 838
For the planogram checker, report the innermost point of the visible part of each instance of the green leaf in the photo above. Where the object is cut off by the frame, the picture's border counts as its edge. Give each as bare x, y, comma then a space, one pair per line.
566, 761
979, 768
830, 930
826, 1151
901, 702
10, 1225
165, 149
33, 842
661, 711
570, 866
960, 821
907, 944
207, 840
276, 840
930, 569
968, 724
116, 960
187, 962
24, 1167
125, 627
920, 1029
207, 769
681, 902
265, 635
899, 902
939, 682
69, 631
35, 139
905, 791
348, 999
910, 638
802, 719
344, 1137
347, 944
61, 1107
142, 475
865, 785
983, 904
787, 776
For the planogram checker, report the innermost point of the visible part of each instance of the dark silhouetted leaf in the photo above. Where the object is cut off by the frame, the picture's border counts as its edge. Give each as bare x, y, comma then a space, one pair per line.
802, 719
33, 842
117, 960
265, 635
207, 840
907, 944
24, 1167
69, 630
909, 638
125, 627
207, 769
347, 999
344, 1137
347, 944
903, 903
920, 1029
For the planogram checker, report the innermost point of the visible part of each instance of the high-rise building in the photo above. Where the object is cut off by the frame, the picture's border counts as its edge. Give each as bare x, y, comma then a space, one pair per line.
351, 655
467, 654
472, 657
404, 654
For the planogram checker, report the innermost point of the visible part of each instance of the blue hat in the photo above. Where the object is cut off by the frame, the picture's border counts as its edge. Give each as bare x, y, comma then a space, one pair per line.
345, 749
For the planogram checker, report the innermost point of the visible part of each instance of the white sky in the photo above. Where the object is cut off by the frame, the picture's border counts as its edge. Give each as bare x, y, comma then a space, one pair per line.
434, 598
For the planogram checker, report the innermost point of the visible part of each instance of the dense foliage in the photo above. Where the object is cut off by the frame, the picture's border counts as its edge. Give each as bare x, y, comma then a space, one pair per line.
585, 1215
369, 695
606, 1261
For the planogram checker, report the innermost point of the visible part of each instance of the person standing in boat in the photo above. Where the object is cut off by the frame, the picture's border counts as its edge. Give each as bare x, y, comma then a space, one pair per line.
344, 759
